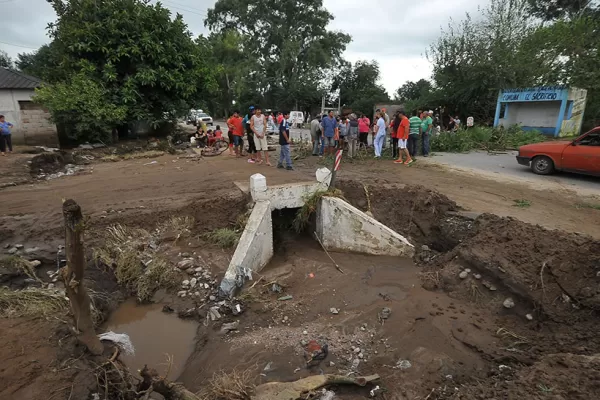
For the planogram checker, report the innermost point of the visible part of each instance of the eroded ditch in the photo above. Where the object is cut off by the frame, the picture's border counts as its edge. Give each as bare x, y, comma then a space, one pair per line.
444, 331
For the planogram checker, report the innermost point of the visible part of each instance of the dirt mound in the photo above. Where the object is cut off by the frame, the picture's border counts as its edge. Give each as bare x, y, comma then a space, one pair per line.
413, 211
50, 163
554, 272
556, 376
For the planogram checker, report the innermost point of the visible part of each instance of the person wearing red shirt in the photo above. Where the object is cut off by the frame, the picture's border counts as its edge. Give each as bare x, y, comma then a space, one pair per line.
402, 136
363, 130
236, 127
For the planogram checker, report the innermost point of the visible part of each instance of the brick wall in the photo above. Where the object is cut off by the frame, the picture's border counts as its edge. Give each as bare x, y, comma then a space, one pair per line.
36, 126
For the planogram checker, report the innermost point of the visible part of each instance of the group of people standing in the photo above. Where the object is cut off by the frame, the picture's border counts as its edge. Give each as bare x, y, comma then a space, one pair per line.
329, 133
255, 125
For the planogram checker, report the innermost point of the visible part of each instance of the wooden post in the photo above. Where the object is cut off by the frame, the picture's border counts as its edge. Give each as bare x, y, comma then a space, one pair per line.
73, 277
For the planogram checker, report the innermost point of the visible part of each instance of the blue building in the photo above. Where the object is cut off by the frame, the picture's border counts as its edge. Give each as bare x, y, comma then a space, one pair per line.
552, 110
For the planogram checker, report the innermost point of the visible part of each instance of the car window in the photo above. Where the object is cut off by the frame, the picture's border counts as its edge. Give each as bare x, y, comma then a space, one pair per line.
593, 139
203, 115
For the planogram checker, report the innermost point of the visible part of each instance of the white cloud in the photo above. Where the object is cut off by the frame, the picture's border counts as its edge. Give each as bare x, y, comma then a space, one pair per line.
395, 33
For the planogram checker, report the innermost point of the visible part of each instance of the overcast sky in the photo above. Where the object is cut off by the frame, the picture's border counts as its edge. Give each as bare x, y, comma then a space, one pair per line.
396, 33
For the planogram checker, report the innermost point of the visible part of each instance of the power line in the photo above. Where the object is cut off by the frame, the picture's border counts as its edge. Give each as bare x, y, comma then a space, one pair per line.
19, 45
184, 9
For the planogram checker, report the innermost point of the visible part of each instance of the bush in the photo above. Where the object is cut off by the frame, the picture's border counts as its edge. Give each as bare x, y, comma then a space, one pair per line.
481, 138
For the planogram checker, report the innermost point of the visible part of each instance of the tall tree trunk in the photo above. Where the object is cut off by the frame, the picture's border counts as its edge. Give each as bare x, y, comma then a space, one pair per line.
73, 277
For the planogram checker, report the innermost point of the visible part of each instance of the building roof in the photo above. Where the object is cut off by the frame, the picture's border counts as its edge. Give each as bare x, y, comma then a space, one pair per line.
10, 79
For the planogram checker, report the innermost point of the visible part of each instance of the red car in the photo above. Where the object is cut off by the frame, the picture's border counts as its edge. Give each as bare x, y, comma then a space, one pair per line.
581, 155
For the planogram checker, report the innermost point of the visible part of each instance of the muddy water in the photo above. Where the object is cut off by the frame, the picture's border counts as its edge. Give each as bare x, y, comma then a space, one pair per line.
154, 335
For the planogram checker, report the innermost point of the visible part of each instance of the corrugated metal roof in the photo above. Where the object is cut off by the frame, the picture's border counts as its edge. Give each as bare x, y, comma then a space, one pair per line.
10, 79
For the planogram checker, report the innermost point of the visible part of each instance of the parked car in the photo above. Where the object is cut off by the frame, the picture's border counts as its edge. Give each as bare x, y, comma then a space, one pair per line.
204, 117
581, 155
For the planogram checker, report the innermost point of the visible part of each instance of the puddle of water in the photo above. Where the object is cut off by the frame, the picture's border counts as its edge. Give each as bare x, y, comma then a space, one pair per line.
154, 335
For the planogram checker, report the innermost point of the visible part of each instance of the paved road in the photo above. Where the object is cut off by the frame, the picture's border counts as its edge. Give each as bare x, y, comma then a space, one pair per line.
505, 166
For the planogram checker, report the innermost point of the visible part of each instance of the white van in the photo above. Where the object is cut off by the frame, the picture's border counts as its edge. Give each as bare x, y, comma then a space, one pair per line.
296, 118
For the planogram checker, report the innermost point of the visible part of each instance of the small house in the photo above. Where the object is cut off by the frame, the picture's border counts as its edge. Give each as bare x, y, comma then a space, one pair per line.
31, 121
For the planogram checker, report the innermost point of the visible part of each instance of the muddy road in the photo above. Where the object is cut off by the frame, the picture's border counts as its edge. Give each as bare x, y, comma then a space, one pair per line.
501, 299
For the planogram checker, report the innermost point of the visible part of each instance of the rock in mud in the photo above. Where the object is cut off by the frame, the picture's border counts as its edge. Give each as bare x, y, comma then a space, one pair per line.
477, 276
385, 313
19, 246
212, 298
529, 317
334, 310
403, 364
489, 285
193, 282
233, 326
167, 309
189, 313
425, 248
181, 293
185, 283
508, 303
214, 313
51, 286
12, 250
355, 363
31, 250
463, 275
185, 264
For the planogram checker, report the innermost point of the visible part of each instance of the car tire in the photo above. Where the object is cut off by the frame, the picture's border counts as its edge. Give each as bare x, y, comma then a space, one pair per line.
542, 165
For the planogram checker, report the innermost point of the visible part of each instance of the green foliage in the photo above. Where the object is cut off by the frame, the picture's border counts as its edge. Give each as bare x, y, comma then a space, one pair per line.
480, 138
310, 207
522, 203
224, 237
140, 59
286, 43
5, 60
550, 10
81, 105
413, 90
358, 86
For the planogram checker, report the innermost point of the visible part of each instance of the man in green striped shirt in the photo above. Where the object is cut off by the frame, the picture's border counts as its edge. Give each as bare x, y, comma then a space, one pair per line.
414, 132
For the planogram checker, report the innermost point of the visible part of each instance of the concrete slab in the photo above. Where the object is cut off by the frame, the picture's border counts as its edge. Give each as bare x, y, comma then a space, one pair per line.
254, 250
342, 227
289, 195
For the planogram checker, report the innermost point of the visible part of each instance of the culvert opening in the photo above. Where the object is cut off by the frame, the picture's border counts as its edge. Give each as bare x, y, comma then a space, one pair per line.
285, 230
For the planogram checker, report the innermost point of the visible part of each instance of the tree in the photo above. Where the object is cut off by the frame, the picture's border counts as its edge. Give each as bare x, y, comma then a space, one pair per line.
473, 60
145, 62
44, 63
358, 86
288, 41
413, 90
5, 60
80, 106
550, 10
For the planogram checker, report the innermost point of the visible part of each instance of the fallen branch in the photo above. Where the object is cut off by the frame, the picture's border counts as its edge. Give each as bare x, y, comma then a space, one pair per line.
326, 252
299, 388
152, 382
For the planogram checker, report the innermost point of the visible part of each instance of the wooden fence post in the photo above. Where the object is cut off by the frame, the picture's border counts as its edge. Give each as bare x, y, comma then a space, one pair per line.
73, 277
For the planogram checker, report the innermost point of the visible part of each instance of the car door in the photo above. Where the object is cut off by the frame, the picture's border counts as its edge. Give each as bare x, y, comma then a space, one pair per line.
584, 154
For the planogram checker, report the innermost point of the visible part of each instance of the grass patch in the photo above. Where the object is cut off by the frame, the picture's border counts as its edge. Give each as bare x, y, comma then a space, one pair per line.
124, 251
224, 237
179, 227
482, 138
32, 302
310, 206
521, 203
235, 385
588, 205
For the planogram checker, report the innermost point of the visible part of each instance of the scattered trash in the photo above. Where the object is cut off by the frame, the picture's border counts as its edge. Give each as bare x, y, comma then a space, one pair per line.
327, 395
334, 310
508, 303
233, 326
120, 339
311, 275
315, 352
403, 364
374, 391
275, 288
214, 313
287, 297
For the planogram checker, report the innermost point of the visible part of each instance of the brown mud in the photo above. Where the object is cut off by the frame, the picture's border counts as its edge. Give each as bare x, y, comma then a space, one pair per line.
448, 336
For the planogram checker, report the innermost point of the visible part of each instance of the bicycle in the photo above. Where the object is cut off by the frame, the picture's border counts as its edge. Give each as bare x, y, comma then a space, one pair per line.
218, 147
